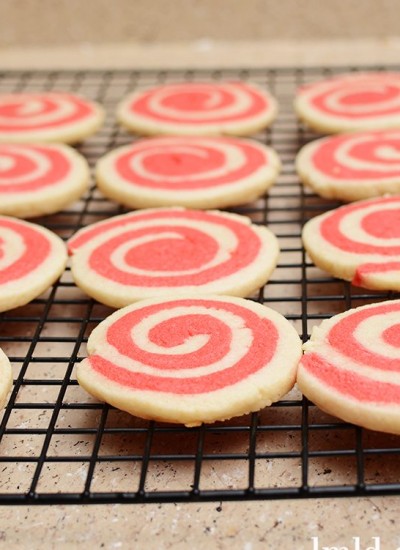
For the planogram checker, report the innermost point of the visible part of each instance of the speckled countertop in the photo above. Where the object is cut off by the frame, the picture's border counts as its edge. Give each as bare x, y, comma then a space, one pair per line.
285, 524
263, 525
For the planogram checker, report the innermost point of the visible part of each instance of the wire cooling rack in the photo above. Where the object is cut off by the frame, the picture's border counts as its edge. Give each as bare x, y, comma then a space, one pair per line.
59, 445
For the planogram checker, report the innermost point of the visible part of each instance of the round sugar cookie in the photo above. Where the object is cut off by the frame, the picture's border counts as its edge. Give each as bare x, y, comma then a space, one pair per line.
171, 251
40, 179
351, 366
198, 109
359, 242
205, 172
5, 378
351, 102
351, 167
191, 359
31, 259
47, 116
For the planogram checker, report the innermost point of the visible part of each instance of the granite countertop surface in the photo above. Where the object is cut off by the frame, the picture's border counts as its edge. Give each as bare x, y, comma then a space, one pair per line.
285, 524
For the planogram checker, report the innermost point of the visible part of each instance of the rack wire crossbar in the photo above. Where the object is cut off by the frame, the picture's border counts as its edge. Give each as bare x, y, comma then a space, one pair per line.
59, 445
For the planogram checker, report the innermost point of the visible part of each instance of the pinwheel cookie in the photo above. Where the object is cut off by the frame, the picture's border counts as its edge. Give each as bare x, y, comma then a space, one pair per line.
5, 378
48, 116
198, 109
351, 102
191, 359
171, 251
40, 179
187, 171
351, 366
352, 166
359, 242
31, 259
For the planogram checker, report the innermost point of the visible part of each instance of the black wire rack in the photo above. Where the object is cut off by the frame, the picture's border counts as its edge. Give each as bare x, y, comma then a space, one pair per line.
59, 445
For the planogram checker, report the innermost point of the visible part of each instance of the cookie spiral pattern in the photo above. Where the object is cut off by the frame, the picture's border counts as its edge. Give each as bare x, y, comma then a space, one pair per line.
352, 166
198, 108
191, 359
351, 366
31, 258
39, 179
351, 102
170, 251
187, 171
48, 116
359, 242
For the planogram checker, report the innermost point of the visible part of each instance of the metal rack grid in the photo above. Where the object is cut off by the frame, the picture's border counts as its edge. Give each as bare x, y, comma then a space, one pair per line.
59, 445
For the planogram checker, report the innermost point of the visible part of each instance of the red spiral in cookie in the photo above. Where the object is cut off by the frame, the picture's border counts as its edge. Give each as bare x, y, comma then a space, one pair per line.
23, 249
186, 346
364, 235
356, 96
198, 108
189, 163
25, 168
191, 359
168, 247
200, 102
355, 358
24, 112
351, 102
358, 157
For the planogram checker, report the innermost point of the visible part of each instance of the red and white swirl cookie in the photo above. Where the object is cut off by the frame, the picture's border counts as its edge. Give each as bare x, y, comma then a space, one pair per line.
191, 359
351, 366
205, 172
40, 179
171, 251
351, 102
31, 259
5, 378
198, 109
350, 167
47, 116
359, 242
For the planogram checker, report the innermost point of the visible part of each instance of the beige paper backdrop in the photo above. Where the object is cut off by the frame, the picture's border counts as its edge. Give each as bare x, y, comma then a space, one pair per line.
61, 22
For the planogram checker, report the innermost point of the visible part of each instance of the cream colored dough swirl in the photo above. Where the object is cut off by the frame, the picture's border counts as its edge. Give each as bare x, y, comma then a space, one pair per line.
37, 179
24, 110
352, 166
205, 172
191, 359
216, 103
171, 251
359, 242
198, 108
351, 102
47, 116
31, 259
351, 366
9, 163
233, 157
